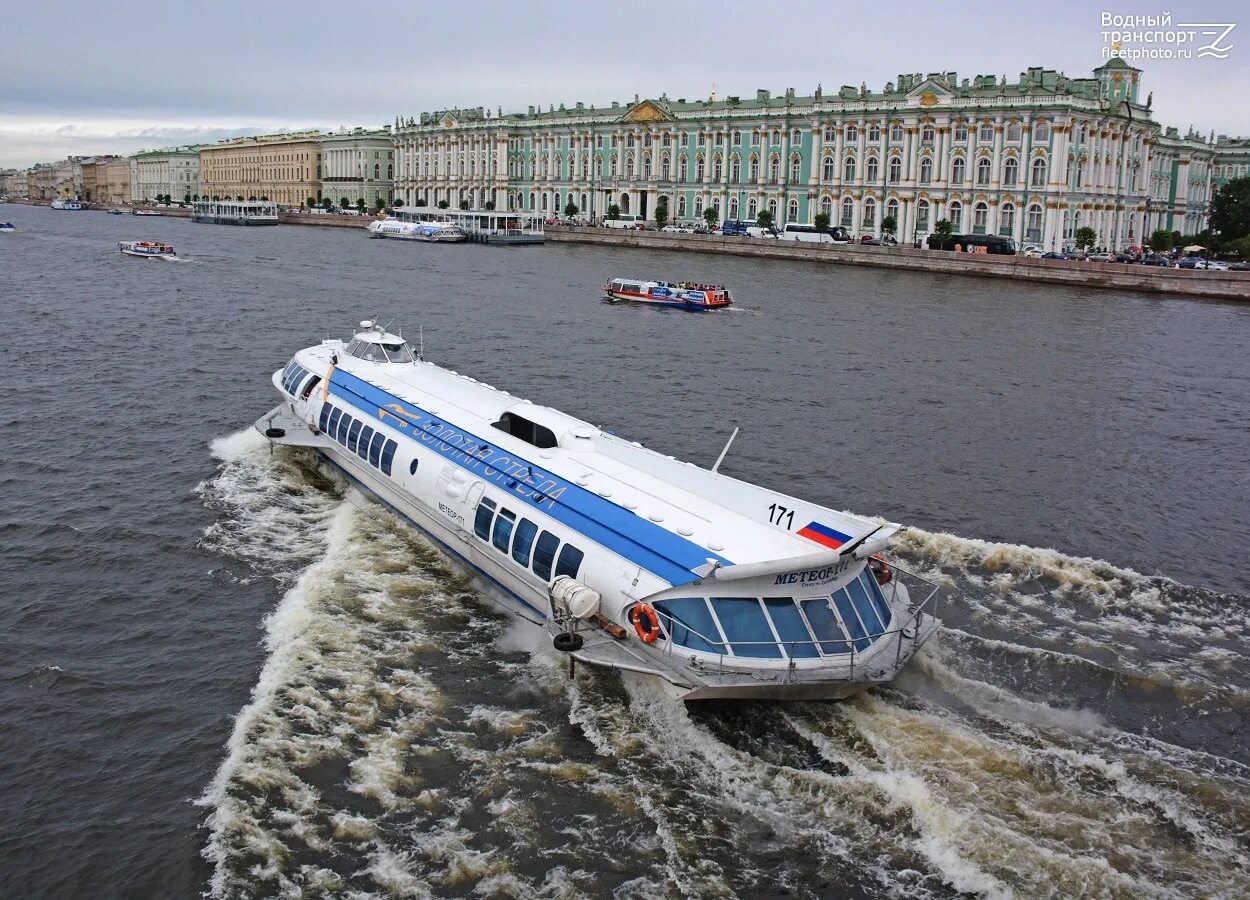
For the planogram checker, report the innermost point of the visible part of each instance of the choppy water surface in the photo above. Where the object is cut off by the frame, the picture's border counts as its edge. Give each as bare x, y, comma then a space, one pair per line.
223, 672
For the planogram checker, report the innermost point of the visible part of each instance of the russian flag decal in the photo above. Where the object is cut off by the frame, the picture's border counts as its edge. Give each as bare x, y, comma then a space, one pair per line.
823, 534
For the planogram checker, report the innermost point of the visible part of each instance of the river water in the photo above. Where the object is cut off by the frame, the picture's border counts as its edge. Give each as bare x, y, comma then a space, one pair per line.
223, 672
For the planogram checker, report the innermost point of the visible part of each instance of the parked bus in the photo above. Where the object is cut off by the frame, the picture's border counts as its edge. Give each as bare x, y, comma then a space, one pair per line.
794, 231
993, 243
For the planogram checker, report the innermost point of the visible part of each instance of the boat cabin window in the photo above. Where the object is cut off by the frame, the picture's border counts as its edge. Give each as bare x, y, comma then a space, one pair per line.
369, 444
852, 617
570, 561
485, 515
523, 541
524, 429
308, 388
545, 554
375, 352
503, 529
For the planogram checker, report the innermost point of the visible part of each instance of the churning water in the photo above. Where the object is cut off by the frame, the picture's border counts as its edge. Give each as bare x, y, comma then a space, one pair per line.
223, 671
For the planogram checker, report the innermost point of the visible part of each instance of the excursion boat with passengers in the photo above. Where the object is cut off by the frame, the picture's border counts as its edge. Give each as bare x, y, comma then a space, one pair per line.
430, 232
147, 249
7, 226
682, 295
629, 559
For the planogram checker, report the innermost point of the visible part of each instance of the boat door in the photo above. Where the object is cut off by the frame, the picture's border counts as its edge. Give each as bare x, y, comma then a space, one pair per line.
470, 505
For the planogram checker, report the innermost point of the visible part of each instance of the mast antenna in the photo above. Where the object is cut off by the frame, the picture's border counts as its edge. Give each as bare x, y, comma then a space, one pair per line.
720, 459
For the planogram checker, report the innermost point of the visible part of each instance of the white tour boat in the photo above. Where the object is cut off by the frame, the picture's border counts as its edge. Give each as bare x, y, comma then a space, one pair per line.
679, 295
72, 205
147, 249
7, 227
145, 212
630, 559
439, 232
235, 212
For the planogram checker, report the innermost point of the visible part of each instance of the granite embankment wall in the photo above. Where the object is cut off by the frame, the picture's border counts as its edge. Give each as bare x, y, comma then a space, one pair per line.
1194, 283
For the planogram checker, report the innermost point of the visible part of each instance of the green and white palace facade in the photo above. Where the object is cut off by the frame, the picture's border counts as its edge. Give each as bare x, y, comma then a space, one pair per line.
1035, 159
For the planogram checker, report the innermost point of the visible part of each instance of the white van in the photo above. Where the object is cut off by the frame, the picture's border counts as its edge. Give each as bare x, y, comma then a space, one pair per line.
794, 231
624, 220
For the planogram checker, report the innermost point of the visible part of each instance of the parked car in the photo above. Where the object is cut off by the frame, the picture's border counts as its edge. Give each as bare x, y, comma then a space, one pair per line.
1239, 267
869, 241
1031, 252
1100, 257
1053, 255
678, 229
1152, 259
1125, 258
1197, 262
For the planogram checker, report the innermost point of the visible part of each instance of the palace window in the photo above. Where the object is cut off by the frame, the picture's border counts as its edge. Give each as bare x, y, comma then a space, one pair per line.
826, 206
1011, 171
955, 213
980, 214
848, 212
852, 133
827, 169
831, 134
792, 210
1033, 227
983, 171
772, 207
1013, 132
737, 139
870, 170
752, 208
646, 166
698, 169
796, 137
985, 134
896, 133
848, 169
664, 167
1006, 219
681, 206
718, 167
629, 141
926, 134
755, 137
682, 168
668, 140
735, 172
874, 133
896, 168
958, 170
720, 139
1041, 132
776, 138
796, 168
698, 207
733, 207
926, 170
774, 169
755, 167
1038, 178
646, 140
685, 139
870, 213
922, 215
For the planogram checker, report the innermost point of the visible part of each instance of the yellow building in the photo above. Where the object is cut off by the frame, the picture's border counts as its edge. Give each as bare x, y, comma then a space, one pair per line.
284, 168
113, 181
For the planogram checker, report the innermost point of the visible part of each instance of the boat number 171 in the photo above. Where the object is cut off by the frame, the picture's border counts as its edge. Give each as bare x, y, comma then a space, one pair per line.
779, 515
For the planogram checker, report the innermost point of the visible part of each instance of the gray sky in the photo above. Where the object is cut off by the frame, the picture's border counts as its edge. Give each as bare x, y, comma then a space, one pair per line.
83, 77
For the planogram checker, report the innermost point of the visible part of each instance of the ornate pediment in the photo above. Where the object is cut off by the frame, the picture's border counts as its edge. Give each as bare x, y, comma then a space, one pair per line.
448, 120
647, 111
929, 93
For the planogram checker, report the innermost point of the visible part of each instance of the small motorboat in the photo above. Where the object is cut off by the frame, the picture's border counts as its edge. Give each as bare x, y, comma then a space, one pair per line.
147, 249
117, 212
681, 295
144, 212
7, 226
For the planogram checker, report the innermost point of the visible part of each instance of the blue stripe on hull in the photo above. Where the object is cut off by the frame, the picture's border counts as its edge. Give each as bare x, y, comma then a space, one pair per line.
657, 550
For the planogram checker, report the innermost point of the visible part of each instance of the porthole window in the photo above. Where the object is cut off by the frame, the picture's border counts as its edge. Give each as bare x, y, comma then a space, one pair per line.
412, 467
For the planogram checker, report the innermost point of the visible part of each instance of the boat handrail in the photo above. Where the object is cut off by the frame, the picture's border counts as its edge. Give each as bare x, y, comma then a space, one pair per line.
874, 638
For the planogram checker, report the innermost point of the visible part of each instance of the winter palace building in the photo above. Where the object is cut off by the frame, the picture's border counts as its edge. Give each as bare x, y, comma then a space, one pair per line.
1034, 159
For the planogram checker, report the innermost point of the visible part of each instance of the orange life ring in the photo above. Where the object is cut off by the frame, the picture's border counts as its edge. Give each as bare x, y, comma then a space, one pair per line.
646, 622
880, 570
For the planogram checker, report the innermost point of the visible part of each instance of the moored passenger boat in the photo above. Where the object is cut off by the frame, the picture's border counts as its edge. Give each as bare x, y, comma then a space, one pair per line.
235, 212
683, 295
72, 205
629, 559
431, 232
147, 249
145, 212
